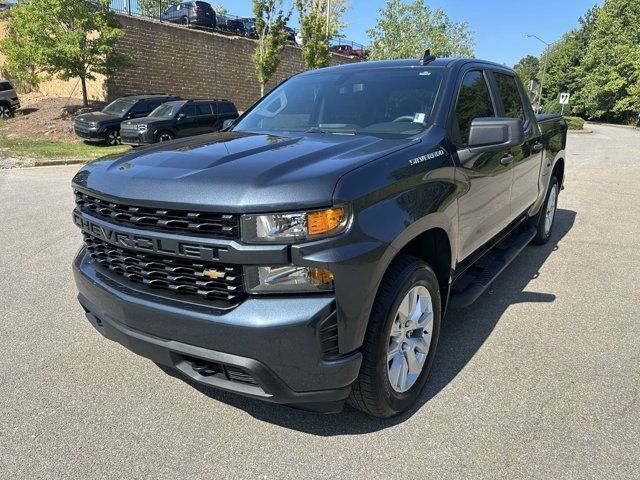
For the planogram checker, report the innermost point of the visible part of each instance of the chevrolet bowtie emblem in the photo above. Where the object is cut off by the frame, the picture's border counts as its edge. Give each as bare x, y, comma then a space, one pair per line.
213, 274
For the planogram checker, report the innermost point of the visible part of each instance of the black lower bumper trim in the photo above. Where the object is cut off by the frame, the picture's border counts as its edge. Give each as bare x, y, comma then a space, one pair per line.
264, 384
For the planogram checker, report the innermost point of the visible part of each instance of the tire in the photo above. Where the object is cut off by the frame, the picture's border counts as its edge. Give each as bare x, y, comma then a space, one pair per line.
164, 136
112, 138
185, 21
378, 390
5, 112
547, 216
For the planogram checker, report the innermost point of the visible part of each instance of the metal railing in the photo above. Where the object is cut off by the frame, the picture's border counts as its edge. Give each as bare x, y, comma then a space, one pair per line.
194, 15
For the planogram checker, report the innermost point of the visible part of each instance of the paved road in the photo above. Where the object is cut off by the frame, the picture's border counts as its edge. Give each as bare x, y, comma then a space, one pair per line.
539, 379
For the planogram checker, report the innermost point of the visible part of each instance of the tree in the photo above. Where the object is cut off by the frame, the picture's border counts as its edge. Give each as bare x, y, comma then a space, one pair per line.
67, 38
320, 21
611, 65
219, 9
272, 37
153, 8
528, 68
406, 30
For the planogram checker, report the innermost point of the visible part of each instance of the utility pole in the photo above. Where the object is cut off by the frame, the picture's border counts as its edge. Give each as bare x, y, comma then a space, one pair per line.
544, 67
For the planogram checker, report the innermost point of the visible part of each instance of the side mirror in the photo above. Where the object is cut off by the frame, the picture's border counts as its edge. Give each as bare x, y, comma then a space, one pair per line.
227, 124
181, 116
493, 134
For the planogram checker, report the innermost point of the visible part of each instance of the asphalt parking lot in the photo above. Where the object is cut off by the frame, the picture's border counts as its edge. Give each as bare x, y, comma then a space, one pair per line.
540, 378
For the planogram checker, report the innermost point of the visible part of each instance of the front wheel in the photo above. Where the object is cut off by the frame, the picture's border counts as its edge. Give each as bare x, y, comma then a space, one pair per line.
164, 137
5, 112
547, 216
400, 342
112, 138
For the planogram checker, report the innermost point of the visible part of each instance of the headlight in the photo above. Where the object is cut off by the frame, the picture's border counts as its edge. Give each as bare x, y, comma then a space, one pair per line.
143, 127
294, 227
287, 279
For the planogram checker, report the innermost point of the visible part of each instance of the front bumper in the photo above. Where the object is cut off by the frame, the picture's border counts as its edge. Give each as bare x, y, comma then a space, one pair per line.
135, 138
89, 134
274, 343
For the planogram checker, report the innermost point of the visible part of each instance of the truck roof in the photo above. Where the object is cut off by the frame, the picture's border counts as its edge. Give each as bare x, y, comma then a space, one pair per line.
411, 62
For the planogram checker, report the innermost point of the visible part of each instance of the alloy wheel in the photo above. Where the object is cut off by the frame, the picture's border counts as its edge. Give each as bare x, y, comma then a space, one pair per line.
551, 210
410, 339
164, 137
5, 112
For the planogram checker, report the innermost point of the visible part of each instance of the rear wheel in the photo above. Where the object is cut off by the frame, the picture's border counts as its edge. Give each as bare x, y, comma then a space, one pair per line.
164, 136
184, 20
547, 216
5, 112
400, 341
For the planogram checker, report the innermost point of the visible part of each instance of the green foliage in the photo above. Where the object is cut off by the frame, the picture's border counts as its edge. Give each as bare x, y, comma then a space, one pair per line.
271, 19
599, 64
318, 27
153, 8
58, 149
575, 123
611, 65
528, 69
406, 30
68, 38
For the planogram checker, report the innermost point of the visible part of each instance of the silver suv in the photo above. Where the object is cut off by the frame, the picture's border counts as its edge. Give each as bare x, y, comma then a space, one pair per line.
9, 101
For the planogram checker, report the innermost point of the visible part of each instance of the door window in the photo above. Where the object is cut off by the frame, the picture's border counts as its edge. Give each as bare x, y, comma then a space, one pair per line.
510, 95
474, 101
203, 109
189, 110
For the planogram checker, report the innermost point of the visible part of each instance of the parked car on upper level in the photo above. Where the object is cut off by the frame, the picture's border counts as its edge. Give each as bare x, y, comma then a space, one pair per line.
190, 13
9, 101
5, 6
250, 27
349, 51
231, 25
178, 119
104, 126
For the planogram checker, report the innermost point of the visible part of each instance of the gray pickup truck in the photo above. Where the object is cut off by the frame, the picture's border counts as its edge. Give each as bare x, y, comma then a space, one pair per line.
308, 254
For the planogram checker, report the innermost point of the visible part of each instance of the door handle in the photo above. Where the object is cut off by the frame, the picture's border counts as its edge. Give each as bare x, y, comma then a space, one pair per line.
537, 147
506, 160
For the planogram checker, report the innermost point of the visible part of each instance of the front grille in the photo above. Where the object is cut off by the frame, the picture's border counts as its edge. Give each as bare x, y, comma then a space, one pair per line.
159, 219
176, 275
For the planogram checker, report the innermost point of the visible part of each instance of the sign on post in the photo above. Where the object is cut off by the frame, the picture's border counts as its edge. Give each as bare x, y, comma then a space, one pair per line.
564, 100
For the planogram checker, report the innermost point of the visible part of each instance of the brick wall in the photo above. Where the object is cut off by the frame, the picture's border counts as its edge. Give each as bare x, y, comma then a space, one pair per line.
195, 64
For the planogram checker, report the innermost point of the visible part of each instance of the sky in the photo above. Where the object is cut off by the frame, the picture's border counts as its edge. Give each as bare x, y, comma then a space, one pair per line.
499, 25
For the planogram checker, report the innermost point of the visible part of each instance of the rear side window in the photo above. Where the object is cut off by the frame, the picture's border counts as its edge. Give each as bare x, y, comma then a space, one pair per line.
203, 109
227, 107
510, 95
474, 101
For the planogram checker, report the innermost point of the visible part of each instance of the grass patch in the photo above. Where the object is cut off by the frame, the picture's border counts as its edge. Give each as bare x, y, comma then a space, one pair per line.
575, 123
56, 149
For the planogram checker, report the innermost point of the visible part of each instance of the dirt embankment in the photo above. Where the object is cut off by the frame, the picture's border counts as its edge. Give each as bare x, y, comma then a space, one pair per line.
46, 117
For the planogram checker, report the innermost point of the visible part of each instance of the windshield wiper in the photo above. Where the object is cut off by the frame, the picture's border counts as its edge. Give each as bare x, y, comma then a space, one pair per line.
334, 132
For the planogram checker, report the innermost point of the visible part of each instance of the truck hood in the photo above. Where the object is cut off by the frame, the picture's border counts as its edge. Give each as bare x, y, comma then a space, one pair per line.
236, 171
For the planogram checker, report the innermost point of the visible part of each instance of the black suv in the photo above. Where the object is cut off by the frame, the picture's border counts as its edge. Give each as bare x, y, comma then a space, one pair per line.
104, 126
178, 119
190, 13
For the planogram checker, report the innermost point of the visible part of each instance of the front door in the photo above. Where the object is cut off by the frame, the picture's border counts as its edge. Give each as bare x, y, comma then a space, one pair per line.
186, 124
484, 179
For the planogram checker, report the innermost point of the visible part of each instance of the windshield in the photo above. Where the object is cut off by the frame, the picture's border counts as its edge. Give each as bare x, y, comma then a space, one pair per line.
166, 110
118, 107
389, 101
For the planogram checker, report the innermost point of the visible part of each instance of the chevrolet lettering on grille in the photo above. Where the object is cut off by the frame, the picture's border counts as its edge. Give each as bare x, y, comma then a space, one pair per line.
144, 243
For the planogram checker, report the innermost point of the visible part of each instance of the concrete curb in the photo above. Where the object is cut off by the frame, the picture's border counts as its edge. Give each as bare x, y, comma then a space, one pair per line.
56, 163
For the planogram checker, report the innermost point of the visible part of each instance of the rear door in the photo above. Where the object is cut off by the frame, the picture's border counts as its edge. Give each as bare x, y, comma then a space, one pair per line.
528, 157
205, 117
484, 207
